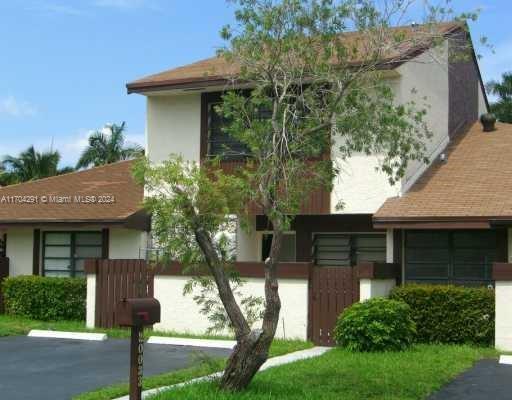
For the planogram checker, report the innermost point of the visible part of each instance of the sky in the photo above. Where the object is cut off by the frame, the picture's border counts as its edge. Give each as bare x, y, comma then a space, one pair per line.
64, 64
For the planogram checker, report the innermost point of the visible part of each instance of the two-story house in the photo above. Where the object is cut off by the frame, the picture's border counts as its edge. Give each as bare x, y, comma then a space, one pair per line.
181, 120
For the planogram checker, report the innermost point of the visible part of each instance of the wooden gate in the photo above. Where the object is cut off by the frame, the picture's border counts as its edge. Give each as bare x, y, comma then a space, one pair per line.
331, 290
116, 280
4, 273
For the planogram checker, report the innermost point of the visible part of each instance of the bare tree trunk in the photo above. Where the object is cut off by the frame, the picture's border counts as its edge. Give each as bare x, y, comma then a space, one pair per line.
251, 351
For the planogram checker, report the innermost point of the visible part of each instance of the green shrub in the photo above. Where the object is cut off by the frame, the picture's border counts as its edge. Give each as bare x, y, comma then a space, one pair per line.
450, 314
45, 299
375, 325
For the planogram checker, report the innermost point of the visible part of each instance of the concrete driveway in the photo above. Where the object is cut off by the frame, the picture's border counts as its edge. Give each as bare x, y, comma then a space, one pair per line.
55, 369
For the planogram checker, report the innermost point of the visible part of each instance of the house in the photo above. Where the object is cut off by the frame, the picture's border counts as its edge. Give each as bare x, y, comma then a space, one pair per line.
180, 119
49, 226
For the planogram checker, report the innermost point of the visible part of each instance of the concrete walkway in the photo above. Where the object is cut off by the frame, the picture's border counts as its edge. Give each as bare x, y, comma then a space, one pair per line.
487, 380
272, 362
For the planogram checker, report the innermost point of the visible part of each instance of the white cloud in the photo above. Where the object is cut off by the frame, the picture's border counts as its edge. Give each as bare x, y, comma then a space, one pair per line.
12, 107
126, 4
57, 8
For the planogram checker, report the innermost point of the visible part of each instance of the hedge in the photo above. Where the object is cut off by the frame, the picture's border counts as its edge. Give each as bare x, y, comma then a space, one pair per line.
375, 325
44, 298
450, 314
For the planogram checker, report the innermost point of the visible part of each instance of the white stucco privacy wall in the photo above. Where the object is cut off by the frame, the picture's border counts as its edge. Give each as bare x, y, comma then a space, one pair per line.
173, 126
503, 325
180, 313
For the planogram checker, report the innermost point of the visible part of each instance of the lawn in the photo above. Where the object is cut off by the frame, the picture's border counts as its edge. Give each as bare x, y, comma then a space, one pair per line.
14, 326
340, 374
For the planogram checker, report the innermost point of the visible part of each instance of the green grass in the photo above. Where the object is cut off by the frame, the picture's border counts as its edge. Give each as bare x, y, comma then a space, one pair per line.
14, 326
206, 366
340, 374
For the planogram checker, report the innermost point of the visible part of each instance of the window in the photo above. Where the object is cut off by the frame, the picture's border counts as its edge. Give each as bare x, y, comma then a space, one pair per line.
287, 247
64, 252
346, 250
3, 245
221, 143
459, 257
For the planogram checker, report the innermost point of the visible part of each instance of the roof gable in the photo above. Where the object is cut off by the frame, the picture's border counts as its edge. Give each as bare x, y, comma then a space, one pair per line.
216, 71
106, 193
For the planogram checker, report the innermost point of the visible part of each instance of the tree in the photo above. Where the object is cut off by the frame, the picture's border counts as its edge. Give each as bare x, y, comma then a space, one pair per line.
106, 148
502, 108
313, 90
29, 165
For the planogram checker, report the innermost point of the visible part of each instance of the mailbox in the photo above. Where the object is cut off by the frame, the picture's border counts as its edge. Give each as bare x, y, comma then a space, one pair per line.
138, 312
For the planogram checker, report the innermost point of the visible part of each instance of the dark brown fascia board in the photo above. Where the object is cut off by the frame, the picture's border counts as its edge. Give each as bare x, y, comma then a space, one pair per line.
41, 223
187, 83
433, 223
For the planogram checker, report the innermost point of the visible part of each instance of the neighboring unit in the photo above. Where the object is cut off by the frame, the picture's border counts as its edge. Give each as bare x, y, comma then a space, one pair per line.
50, 226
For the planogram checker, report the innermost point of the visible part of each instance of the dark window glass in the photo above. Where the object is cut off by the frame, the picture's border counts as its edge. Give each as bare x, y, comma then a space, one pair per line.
347, 250
64, 252
221, 143
457, 257
287, 247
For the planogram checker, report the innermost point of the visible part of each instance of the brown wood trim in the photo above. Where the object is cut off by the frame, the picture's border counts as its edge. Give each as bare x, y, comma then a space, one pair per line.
36, 251
502, 271
432, 225
294, 270
184, 83
105, 242
91, 266
372, 270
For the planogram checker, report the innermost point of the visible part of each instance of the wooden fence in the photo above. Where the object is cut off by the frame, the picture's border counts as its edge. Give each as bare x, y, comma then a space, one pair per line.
115, 281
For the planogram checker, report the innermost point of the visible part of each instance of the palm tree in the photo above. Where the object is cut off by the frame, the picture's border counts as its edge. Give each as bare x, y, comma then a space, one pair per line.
106, 148
502, 108
30, 165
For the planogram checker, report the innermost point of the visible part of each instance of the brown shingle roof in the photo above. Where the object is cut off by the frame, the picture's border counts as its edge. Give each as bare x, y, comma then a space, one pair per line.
216, 70
108, 180
474, 183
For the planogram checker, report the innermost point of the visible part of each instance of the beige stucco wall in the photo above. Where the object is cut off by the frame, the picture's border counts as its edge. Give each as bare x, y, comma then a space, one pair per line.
20, 245
427, 76
248, 243
173, 126
371, 288
169, 291
126, 243
424, 80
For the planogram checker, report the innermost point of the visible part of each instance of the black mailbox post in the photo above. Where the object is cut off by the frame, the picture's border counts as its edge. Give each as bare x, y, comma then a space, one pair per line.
137, 313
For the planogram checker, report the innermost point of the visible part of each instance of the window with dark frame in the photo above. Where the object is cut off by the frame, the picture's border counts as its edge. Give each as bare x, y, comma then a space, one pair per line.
456, 257
288, 247
64, 253
221, 143
347, 250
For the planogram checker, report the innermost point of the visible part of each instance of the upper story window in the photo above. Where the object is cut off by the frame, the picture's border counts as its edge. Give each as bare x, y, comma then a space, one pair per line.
216, 141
